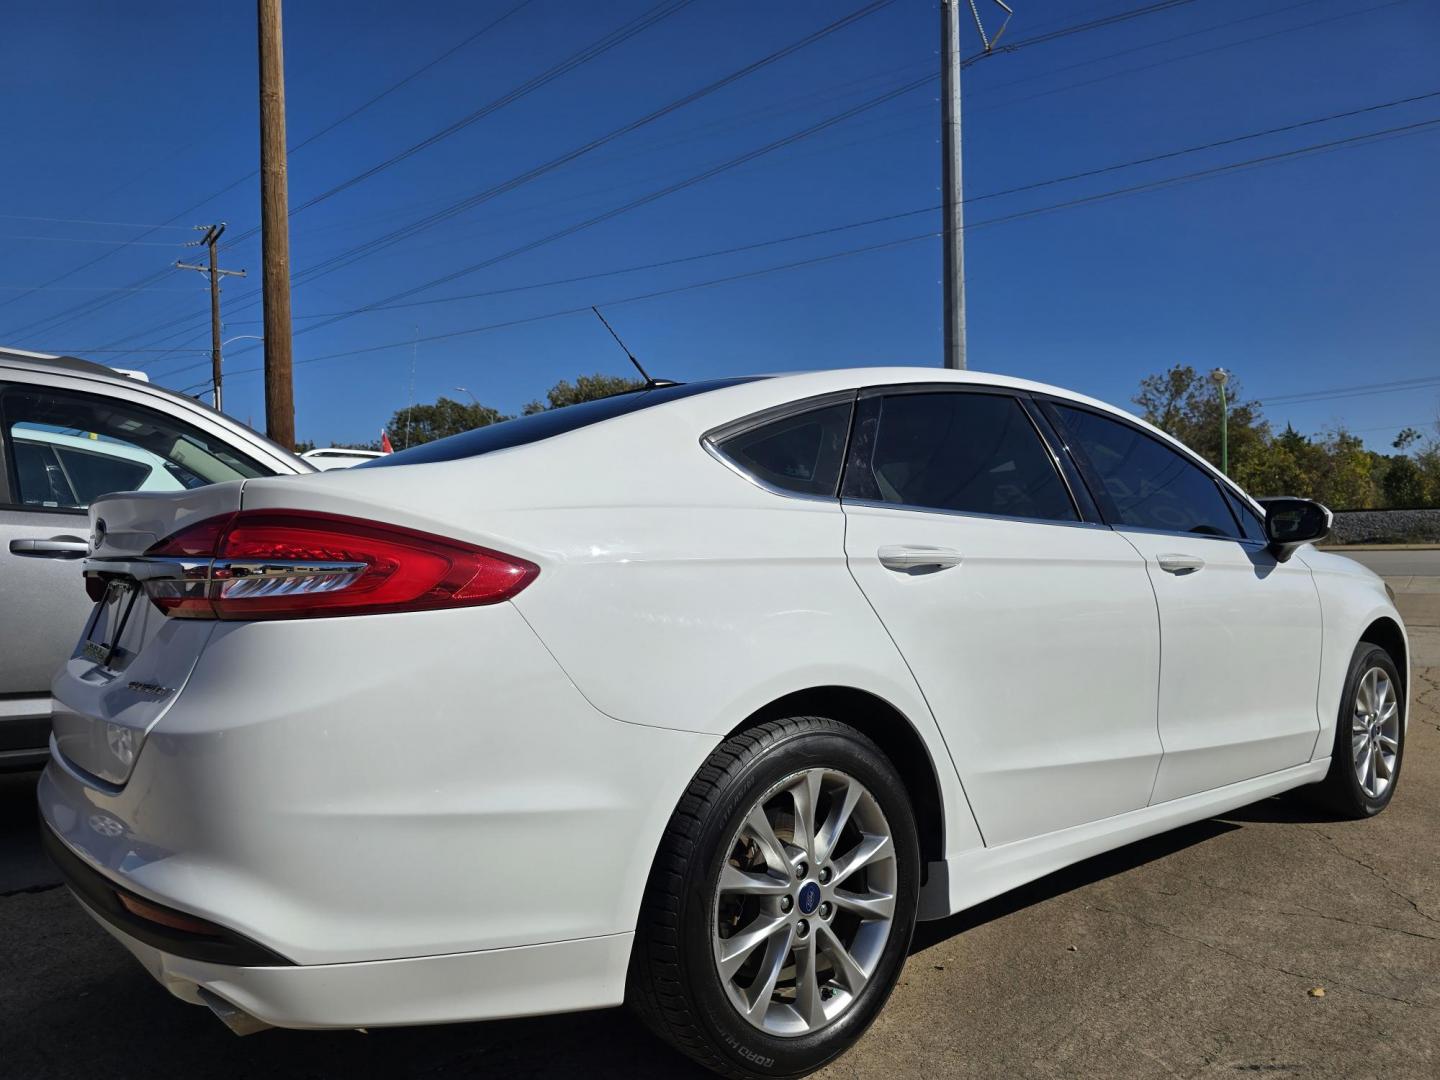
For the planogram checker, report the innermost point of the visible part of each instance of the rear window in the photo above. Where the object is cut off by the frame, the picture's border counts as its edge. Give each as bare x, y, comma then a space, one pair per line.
544, 425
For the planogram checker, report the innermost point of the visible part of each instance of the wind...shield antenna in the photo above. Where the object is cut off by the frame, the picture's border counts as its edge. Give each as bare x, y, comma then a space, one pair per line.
650, 382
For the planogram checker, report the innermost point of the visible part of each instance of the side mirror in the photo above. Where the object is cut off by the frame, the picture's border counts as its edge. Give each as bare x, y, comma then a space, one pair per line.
1292, 523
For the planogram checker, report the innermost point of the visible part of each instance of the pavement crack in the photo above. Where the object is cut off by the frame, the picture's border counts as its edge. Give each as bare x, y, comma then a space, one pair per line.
1375, 872
1161, 928
1307, 912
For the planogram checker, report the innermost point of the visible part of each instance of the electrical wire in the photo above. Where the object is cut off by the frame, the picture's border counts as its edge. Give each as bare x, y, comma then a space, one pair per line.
168, 223
1018, 215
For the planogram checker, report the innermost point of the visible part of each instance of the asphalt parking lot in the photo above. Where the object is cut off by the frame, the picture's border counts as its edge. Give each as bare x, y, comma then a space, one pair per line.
1198, 953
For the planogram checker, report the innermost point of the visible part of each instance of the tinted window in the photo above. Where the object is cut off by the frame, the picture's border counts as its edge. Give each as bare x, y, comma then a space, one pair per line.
543, 425
1149, 485
92, 475
800, 453
66, 449
1251, 523
977, 453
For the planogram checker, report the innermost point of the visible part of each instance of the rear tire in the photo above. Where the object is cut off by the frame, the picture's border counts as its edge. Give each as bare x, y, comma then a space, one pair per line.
840, 898
1369, 744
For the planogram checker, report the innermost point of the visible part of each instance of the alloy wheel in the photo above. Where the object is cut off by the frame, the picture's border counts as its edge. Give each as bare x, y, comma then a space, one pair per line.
805, 902
1375, 731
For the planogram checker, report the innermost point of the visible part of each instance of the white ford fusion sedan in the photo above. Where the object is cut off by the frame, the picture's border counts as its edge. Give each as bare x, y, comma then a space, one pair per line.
696, 697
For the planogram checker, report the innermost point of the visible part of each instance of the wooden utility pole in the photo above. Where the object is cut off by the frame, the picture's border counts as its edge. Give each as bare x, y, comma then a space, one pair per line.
953, 214
211, 240
275, 230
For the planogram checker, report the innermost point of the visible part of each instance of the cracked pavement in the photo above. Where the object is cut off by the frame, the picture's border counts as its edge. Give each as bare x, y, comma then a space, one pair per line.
1191, 954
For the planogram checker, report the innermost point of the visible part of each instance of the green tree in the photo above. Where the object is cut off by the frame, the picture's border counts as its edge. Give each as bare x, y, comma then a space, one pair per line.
1407, 438
585, 388
1183, 403
419, 424
1347, 479
1403, 484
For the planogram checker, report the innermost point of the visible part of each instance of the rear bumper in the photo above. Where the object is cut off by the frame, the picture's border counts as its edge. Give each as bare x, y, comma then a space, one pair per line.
427, 789
495, 984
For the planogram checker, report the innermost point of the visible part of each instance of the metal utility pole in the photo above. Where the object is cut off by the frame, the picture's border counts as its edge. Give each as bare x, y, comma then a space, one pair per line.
275, 230
211, 240
951, 171
951, 182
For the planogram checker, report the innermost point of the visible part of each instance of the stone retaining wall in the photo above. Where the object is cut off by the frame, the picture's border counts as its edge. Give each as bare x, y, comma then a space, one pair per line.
1386, 527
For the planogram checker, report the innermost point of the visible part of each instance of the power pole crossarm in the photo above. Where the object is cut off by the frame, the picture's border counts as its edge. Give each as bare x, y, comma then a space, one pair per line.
211, 240
275, 230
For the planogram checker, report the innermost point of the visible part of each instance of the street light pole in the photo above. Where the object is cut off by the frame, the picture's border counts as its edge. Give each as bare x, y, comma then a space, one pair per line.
1220, 376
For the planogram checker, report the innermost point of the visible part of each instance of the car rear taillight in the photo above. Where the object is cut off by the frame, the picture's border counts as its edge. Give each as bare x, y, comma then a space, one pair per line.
288, 564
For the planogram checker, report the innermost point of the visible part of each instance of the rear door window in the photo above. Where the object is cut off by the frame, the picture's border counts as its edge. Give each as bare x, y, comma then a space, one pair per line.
969, 452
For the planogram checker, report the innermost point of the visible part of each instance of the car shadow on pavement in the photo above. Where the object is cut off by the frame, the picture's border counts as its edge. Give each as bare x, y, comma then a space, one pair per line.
1070, 878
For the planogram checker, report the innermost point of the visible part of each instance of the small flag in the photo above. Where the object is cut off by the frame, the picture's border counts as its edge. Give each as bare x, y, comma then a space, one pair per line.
385, 447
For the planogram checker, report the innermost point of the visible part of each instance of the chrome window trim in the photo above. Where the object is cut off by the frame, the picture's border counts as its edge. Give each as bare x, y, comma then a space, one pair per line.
711, 439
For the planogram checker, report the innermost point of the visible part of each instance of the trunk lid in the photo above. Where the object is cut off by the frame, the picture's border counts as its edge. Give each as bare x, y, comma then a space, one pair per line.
130, 662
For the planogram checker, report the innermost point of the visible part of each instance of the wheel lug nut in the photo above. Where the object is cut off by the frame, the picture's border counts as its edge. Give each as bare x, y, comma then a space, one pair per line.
786, 903
802, 928
824, 875
826, 910
801, 870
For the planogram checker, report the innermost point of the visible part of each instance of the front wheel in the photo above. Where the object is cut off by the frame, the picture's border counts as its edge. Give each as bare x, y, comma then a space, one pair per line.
1369, 737
781, 903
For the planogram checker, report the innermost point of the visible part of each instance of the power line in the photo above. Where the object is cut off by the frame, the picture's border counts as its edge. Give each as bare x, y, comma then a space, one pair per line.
1018, 215
1078, 28
591, 52
168, 223
1362, 390
91, 240
376, 244
1151, 159
643, 200
86, 221
348, 257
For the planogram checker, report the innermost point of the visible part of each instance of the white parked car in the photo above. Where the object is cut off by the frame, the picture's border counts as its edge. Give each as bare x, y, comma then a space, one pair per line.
326, 458
71, 431
696, 697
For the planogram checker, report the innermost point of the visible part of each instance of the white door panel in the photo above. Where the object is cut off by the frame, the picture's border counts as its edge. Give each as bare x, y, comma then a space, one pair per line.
1239, 660
1037, 647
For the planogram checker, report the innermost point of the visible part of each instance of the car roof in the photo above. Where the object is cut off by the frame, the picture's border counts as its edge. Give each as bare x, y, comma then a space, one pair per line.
49, 364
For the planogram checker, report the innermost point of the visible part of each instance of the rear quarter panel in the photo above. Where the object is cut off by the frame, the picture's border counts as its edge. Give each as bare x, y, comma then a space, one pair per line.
673, 592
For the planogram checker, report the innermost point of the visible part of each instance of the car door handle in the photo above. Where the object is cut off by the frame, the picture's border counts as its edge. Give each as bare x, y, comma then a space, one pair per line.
57, 547
907, 559
1180, 564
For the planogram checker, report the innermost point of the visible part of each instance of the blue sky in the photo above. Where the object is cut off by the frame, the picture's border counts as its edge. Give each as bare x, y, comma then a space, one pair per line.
1313, 273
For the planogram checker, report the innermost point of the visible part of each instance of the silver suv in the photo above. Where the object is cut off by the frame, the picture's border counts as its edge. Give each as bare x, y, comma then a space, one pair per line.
71, 431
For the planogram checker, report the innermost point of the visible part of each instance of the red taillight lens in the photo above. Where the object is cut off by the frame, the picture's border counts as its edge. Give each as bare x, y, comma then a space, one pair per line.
293, 564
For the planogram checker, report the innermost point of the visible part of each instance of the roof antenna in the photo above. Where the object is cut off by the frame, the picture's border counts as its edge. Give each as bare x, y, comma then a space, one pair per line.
650, 383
